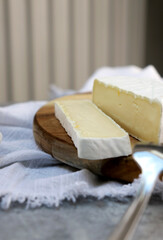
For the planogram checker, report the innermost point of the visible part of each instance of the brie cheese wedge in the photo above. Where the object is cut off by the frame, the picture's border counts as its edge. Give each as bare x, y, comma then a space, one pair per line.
95, 135
135, 104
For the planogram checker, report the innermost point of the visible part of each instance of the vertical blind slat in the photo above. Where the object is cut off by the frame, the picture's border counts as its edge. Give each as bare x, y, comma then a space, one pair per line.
7, 36
142, 32
29, 50
133, 31
118, 33
61, 43
124, 32
111, 32
18, 50
50, 41
136, 31
101, 33
81, 42
40, 48
3, 77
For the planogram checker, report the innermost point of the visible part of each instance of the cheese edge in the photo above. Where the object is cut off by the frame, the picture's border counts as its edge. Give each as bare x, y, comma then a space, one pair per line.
88, 148
157, 100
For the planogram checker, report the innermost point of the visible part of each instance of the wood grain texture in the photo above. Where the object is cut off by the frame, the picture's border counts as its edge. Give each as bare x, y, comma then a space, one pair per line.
53, 139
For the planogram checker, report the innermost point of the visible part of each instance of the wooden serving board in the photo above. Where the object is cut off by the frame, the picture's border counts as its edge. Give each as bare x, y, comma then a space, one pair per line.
53, 139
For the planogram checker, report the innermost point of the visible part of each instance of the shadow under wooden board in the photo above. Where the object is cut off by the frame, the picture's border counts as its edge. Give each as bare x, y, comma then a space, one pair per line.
52, 138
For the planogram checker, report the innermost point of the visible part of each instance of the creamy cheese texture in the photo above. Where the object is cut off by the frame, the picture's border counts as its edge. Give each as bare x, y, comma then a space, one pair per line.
136, 104
95, 135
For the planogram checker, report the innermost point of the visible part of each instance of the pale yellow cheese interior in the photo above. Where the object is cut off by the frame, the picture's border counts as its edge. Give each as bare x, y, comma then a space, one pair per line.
139, 116
90, 121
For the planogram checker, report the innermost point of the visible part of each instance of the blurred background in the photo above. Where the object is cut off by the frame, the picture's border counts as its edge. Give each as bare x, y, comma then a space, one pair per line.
62, 42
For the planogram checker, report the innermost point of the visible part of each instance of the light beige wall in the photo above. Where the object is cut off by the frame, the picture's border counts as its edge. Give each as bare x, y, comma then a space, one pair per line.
64, 41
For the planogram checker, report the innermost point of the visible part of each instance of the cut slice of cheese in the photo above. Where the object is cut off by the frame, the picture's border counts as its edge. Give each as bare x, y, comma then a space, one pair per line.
135, 104
95, 135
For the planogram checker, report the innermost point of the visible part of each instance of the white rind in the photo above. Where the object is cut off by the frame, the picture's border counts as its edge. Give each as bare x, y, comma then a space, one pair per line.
143, 87
94, 148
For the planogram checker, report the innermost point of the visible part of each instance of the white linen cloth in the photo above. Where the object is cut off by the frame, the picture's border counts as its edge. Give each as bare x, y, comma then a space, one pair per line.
30, 176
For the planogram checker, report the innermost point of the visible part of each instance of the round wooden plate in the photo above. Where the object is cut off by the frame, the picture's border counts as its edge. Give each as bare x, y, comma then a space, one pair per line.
53, 139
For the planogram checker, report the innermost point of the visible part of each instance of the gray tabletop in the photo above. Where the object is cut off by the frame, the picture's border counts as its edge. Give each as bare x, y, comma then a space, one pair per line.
87, 219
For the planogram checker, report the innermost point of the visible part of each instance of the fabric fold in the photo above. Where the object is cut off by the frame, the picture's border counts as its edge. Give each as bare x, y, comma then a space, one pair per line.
31, 176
